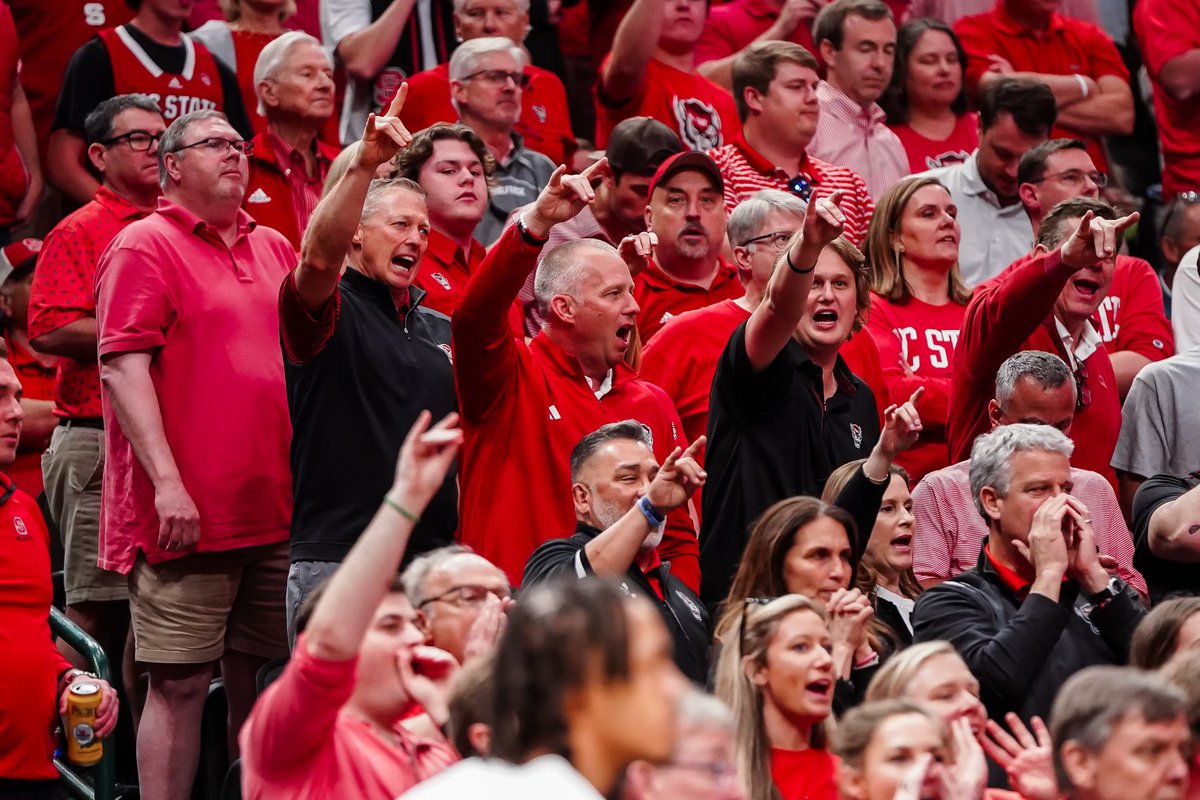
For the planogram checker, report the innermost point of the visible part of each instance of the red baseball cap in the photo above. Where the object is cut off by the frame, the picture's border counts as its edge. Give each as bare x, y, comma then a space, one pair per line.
17, 253
681, 162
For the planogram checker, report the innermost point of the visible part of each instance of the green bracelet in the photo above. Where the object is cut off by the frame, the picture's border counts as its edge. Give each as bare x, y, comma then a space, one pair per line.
402, 511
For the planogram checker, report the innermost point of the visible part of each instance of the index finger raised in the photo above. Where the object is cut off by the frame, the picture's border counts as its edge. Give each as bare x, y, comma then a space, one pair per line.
695, 446
398, 100
917, 395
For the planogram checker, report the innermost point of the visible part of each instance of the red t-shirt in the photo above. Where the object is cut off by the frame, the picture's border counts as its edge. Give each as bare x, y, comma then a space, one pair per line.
925, 153
247, 46
209, 314
14, 177
37, 383
524, 408
1067, 47
732, 26
1166, 29
804, 774
31, 663
64, 291
682, 359
1131, 316
924, 336
197, 88
1014, 312
662, 298
51, 31
300, 743
545, 123
700, 111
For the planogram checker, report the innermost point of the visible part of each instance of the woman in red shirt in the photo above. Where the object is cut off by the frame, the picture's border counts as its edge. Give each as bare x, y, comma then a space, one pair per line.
778, 677
917, 305
926, 102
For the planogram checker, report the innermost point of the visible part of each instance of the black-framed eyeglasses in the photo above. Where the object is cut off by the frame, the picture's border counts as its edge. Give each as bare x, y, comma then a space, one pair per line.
721, 773
467, 595
220, 146
802, 187
1083, 392
140, 141
777, 239
1189, 198
746, 603
497, 77
1076, 176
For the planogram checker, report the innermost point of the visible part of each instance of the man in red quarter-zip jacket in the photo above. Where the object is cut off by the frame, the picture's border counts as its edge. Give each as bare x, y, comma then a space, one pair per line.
525, 406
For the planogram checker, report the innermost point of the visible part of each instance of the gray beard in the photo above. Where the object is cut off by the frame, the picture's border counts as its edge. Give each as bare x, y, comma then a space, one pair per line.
608, 513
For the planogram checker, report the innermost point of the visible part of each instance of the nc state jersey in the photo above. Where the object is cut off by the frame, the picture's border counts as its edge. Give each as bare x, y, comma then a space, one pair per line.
196, 88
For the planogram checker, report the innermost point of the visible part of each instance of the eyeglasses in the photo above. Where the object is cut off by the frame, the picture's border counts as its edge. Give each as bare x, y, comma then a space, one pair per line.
1075, 177
219, 146
140, 141
498, 77
1083, 392
1181, 199
802, 187
746, 603
468, 595
721, 773
777, 239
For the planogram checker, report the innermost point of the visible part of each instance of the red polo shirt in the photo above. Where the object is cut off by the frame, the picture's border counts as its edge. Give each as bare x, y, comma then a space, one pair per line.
446, 270
1131, 316
1067, 47
280, 193
545, 123
661, 297
64, 291
732, 26
1166, 29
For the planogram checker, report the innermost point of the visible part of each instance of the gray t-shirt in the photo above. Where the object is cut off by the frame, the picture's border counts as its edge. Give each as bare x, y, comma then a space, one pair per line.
1160, 421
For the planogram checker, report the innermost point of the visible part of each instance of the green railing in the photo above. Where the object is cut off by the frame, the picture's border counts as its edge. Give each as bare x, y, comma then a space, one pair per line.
103, 785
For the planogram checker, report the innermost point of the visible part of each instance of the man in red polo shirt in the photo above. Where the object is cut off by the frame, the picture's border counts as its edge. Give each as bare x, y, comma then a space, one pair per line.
528, 405
293, 80
686, 271
1076, 60
122, 135
775, 87
197, 488
651, 72
545, 122
1130, 320
1168, 32
1045, 301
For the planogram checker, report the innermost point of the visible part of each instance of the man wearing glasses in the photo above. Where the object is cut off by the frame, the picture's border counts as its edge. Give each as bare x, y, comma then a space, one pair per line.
122, 145
197, 490
463, 599
1130, 319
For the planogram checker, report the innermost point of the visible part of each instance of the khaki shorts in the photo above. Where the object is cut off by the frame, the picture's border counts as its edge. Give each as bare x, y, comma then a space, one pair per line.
190, 610
73, 470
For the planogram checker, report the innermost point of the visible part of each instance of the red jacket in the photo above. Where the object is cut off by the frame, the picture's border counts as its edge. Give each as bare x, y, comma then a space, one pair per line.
1010, 313
269, 192
524, 408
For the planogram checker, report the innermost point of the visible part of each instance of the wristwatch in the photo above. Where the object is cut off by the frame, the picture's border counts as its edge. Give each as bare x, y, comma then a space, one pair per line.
1103, 597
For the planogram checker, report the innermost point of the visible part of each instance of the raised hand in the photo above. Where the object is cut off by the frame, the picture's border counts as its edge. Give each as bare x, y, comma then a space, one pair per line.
636, 250
425, 458
485, 631
1026, 760
564, 197
425, 673
1046, 549
678, 477
823, 222
901, 425
1095, 240
968, 778
384, 135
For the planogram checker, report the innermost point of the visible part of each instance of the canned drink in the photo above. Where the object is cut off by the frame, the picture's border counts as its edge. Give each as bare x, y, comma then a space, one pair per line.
84, 748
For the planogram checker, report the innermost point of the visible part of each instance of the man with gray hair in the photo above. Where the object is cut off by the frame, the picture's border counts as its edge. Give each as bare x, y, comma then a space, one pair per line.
1121, 734
1034, 387
363, 356
197, 491
293, 80
622, 498
487, 78
464, 599
1038, 606
704, 761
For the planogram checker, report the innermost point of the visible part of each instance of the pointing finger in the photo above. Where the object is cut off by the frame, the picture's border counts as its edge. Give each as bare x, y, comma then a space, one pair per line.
398, 100
916, 395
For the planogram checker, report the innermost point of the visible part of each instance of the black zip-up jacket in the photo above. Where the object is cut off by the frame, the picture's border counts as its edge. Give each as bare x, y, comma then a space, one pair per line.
684, 614
1022, 651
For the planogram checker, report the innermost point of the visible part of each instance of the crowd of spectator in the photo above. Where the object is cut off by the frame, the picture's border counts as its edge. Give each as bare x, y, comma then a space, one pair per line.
644, 399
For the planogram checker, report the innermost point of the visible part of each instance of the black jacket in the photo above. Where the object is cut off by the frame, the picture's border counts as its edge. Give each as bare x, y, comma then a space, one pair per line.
684, 614
1023, 651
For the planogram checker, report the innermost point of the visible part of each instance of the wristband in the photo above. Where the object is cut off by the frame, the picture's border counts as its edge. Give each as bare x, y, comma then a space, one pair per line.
1083, 87
528, 236
652, 514
401, 510
787, 256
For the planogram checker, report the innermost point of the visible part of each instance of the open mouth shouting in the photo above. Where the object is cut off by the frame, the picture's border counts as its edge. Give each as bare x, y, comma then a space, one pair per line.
625, 334
821, 690
1088, 289
825, 320
902, 543
403, 264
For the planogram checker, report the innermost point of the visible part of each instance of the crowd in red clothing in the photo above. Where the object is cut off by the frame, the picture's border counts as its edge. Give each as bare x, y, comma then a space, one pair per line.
646, 399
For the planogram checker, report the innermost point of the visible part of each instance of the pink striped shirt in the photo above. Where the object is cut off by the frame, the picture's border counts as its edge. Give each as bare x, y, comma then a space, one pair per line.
858, 138
746, 171
949, 530
306, 189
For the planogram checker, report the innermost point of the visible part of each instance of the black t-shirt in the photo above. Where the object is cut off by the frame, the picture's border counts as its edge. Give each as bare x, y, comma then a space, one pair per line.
772, 436
89, 81
1164, 577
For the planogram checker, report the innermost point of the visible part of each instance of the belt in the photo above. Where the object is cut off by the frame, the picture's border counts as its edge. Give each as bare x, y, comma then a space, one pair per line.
96, 423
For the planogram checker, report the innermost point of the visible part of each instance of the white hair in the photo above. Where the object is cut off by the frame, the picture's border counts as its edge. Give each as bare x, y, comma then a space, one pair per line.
991, 456
272, 56
467, 55
562, 270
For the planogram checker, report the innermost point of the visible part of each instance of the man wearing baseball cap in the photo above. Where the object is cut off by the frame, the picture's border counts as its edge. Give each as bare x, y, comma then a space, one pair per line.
686, 212
636, 149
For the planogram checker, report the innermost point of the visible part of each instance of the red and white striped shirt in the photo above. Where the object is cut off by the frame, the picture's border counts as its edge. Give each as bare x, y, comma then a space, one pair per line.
949, 530
858, 138
746, 171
